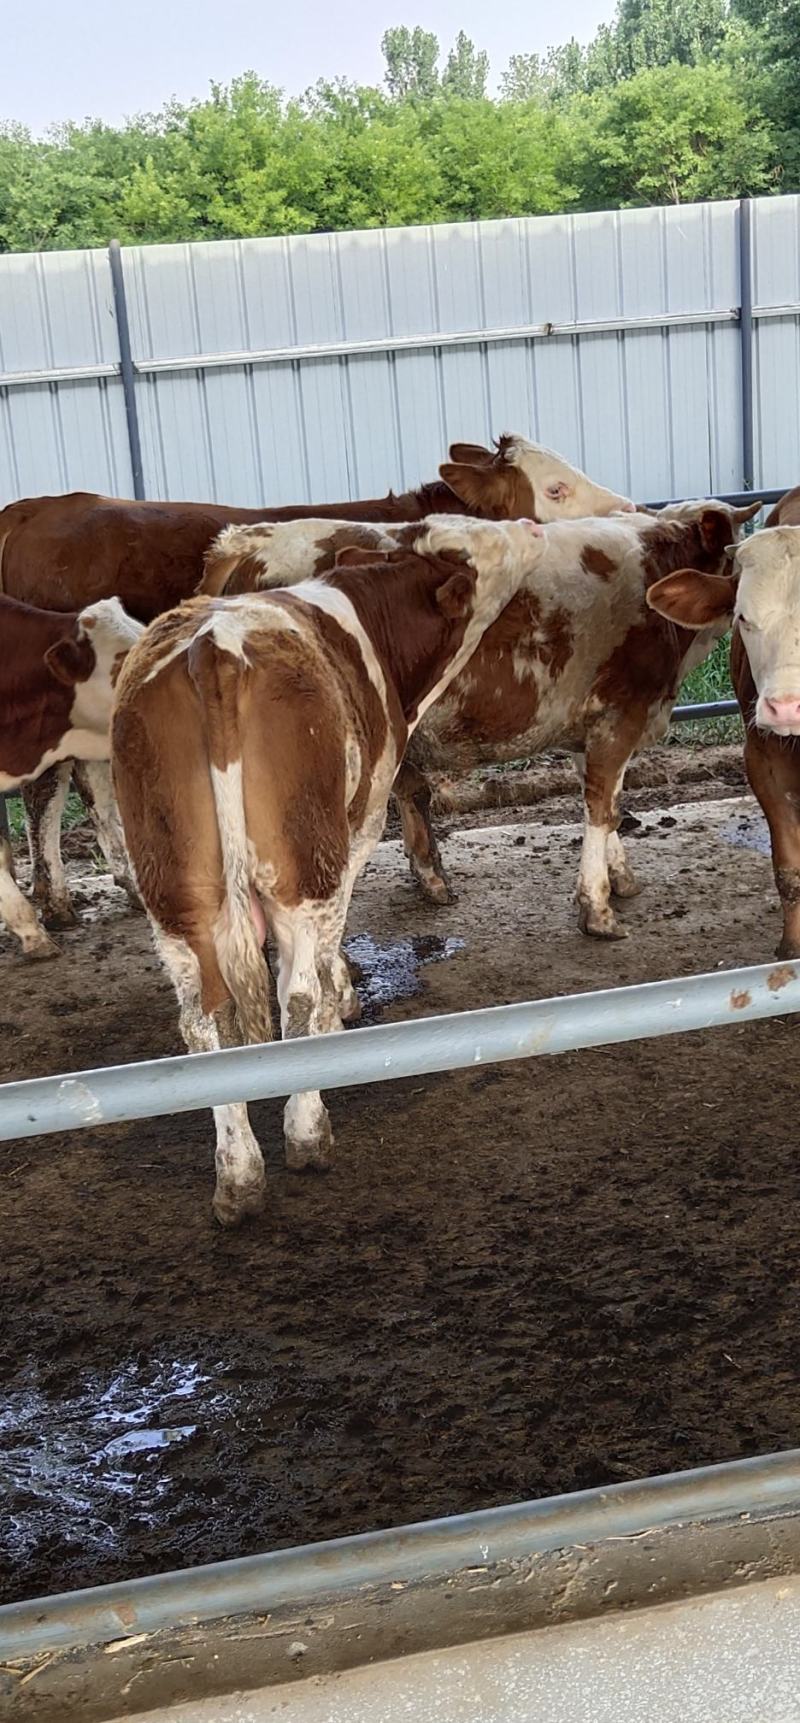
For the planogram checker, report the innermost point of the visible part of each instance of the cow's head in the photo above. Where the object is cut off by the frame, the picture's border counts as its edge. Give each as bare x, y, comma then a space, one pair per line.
763, 597
519, 479
89, 657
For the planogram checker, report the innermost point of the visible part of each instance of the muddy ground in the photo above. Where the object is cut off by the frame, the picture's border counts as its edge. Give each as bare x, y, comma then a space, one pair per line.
516, 1281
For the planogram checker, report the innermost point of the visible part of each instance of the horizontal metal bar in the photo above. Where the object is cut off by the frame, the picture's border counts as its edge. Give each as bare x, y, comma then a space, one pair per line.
434, 1548
152, 366
42, 1105
709, 709
57, 374
790, 309
738, 499
431, 339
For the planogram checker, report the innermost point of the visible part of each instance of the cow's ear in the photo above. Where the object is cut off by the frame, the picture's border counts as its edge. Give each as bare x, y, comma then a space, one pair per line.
71, 660
454, 598
691, 599
471, 454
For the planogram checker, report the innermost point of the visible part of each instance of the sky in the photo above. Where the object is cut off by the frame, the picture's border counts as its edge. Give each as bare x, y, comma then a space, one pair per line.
73, 59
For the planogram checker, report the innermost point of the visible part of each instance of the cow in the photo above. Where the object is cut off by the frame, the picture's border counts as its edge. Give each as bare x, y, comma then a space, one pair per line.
254, 744
576, 661
56, 687
64, 552
763, 600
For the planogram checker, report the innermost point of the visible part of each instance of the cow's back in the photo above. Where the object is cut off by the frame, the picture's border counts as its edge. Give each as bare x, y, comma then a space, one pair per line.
65, 552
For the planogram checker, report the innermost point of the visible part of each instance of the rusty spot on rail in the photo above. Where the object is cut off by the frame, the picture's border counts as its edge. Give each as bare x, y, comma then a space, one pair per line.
781, 978
740, 1000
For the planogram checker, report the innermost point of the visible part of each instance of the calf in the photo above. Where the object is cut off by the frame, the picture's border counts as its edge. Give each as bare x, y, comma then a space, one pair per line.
63, 552
254, 744
56, 687
577, 660
764, 600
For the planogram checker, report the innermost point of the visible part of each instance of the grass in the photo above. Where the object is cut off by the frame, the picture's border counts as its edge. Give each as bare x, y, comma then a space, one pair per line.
710, 681
73, 813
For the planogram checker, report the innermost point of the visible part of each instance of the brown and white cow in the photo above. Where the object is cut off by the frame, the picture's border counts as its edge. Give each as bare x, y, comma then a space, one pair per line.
65, 552
764, 600
57, 679
576, 661
254, 744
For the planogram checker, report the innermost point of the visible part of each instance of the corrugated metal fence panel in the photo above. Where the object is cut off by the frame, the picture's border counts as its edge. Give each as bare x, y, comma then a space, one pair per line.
57, 310
651, 410
776, 281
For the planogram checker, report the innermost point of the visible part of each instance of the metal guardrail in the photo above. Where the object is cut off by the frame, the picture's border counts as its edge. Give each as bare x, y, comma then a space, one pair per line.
462, 1039
309, 1613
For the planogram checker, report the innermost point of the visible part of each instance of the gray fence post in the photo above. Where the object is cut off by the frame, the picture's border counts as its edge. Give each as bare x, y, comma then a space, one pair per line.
126, 366
746, 339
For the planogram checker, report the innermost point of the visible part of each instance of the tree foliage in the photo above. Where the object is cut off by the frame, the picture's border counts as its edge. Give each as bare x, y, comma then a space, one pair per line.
672, 101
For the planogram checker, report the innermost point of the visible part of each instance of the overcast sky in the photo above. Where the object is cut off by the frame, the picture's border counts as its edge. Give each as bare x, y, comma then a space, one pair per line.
69, 59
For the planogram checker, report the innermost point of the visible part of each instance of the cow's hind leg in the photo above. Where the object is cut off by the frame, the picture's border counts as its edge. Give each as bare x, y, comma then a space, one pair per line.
93, 781
604, 866
18, 912
309, 995
240, 1189
44, 800
412, 793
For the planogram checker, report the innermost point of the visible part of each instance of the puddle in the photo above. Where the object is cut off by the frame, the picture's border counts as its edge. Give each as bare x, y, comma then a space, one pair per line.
65, 1462
389, 971
748, 832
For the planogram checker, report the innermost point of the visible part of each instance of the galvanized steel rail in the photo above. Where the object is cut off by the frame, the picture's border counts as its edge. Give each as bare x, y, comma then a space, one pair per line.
462, 1039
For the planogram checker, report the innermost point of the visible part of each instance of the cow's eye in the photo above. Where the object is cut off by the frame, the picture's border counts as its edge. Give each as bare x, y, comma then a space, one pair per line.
743, 622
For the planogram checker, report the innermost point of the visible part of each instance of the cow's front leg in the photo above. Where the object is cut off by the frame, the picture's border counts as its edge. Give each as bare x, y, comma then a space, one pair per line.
412, 793
44, 798
93, 782
604, 867
18, 912
773, 769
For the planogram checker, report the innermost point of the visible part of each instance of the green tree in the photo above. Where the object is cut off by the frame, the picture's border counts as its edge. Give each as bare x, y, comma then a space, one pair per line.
411, 62
466, 71
674, 134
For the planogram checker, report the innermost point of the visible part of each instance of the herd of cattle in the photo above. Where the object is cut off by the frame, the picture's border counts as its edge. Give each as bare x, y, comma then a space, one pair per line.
237, 694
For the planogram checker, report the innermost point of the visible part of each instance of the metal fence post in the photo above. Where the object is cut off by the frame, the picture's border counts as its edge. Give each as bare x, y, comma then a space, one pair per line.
126, 366
746, 339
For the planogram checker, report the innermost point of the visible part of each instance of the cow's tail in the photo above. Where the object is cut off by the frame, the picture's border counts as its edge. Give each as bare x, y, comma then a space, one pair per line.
216, 674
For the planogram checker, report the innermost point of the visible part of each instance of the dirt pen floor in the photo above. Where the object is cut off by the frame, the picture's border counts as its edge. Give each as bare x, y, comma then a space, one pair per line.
519, 1280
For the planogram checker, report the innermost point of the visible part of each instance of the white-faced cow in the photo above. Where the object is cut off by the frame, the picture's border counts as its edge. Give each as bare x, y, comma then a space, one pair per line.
764, 600
255, 740
577, 661
56, 687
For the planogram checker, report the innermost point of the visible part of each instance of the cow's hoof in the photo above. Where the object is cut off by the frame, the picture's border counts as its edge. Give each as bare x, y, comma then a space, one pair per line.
600, 924
310, 1154
43, 951
435, 888
350, 1008
58, 915
231, 1207
788, 948
624, 884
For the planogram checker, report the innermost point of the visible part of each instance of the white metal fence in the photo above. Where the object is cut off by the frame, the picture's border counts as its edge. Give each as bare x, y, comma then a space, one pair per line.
334, 365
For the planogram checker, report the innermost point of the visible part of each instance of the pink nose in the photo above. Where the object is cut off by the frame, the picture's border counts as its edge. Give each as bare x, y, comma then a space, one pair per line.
783, 712
627, 508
